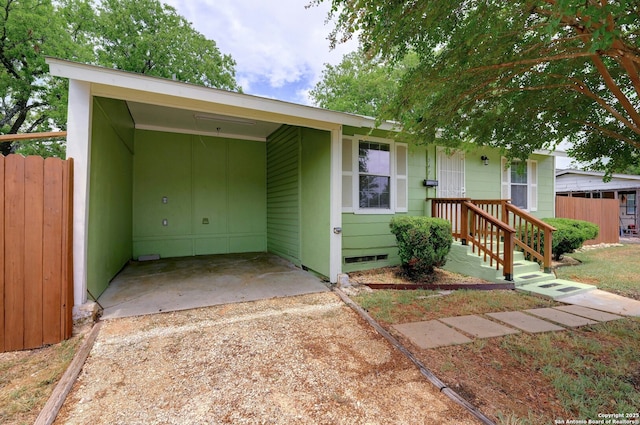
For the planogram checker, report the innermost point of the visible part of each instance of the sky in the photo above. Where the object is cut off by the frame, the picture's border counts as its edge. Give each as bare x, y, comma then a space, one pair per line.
280, 46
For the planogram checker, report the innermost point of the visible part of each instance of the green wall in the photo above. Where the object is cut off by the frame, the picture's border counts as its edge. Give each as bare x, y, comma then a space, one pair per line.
369, 234
110, 196
546, 186
215, 195
283, 193
315, 193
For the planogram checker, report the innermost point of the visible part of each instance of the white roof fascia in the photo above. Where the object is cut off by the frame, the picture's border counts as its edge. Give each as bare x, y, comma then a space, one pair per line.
597, 174
145, 83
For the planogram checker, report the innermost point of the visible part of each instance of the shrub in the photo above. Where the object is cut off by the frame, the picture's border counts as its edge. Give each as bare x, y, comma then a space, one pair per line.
423, 243
570, 234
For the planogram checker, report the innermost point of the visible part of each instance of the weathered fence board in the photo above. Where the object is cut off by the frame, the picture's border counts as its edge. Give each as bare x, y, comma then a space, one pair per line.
603, 212
36, 287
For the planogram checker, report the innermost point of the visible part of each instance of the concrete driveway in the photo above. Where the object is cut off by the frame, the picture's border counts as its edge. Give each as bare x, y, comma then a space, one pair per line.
293, 360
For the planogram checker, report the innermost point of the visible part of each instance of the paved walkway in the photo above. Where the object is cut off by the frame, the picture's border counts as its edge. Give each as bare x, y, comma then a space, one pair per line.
581, 310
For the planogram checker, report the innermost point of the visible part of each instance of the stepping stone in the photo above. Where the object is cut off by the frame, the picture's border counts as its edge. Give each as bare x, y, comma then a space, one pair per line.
589, 313
525, 322
431, 334
561, 317
478, 326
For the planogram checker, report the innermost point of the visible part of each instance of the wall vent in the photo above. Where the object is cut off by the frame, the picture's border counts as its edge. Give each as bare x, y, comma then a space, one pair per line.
366, 258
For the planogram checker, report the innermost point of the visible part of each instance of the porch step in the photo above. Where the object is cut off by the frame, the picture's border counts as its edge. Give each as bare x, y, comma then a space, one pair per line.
521, 279
555, 288
527, 275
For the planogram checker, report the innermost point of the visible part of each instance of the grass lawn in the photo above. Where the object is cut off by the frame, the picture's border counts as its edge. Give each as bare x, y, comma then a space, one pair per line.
611, 269
533, 378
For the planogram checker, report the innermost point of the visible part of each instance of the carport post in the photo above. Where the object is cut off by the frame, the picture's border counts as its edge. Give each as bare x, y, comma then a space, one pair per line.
335, 244
79, 148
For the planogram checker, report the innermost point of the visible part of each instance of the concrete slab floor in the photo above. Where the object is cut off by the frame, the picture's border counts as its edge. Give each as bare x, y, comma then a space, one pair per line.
171, 284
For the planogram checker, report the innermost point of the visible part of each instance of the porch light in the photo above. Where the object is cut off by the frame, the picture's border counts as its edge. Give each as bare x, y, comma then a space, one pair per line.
485, 159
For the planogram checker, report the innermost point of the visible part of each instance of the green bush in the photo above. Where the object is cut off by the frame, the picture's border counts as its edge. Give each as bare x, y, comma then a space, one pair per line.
423, 243
570, 234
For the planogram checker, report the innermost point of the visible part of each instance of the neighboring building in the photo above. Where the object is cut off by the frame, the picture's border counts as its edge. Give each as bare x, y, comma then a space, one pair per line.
590, 184
169, 168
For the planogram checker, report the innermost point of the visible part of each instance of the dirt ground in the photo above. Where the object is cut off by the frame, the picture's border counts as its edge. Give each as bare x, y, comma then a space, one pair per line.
306, 359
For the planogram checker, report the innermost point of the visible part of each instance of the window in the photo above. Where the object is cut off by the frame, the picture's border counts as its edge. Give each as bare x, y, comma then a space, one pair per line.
520, 184
629, 201
374, 175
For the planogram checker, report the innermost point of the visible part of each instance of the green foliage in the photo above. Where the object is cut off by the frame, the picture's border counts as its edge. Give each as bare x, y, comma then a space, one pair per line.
31, 99
149, 37
143, 36
570, 234
359, 85
517, 75
423, 243
44, 148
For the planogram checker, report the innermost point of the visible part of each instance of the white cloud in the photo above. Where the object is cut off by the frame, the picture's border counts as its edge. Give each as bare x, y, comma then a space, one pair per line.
280, 47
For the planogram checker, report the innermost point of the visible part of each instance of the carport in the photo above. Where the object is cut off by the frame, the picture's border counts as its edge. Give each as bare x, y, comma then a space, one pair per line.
169, 169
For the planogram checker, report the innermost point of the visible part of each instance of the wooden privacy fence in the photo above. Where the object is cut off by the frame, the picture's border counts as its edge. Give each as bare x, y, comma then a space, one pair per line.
36, 266
603, 212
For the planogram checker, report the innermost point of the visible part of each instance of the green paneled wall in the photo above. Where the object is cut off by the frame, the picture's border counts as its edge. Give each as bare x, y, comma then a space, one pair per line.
316, 201
283, 193
110, 199
215, 195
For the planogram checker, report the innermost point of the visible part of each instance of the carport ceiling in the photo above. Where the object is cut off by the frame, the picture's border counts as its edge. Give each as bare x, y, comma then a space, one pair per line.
161, 118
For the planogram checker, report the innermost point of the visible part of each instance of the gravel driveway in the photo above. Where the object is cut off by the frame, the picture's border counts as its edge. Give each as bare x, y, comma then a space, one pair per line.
306, 359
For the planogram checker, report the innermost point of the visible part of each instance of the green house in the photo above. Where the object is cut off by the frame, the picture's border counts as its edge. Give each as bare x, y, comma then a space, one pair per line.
173, 169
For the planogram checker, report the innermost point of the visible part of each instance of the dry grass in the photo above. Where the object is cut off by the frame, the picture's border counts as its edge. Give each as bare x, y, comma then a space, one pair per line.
27, 379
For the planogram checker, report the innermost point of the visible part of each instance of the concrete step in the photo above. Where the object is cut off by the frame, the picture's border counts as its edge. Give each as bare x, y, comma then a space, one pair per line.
555, 288
532, 277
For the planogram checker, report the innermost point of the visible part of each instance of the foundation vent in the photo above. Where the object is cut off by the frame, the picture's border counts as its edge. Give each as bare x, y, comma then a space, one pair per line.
366, 258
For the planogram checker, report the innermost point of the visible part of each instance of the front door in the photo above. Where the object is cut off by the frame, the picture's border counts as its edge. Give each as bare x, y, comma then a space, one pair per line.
450, 166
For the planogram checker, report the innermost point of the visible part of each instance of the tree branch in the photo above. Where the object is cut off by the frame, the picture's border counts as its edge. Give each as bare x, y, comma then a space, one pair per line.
609, 133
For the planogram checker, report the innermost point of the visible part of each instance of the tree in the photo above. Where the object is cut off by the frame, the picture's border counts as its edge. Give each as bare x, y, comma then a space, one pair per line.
31, 100
149, 37
359, 85
141, 36
518, 75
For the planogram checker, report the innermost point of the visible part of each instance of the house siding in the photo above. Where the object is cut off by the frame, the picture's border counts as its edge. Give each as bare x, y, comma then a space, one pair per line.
316, 200
215, 191
110, 200
283, 193
369, 234
546, 186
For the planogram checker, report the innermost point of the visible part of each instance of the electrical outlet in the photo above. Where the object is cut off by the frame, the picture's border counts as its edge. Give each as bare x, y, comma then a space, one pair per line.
165, 222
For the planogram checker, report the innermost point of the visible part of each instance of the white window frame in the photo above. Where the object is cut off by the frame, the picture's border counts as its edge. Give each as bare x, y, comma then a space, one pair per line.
396, 151
532, 183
